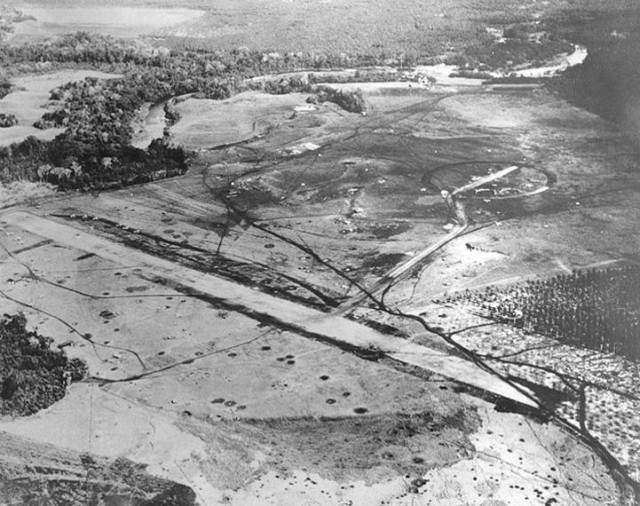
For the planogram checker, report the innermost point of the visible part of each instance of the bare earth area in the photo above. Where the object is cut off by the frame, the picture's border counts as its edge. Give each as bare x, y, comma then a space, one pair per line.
217, 351
243, 411
417, 303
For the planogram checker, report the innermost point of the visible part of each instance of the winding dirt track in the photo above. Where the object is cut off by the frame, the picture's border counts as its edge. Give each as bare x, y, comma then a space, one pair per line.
310, 322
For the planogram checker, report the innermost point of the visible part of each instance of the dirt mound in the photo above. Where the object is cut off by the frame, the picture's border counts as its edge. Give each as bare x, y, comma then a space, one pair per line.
32, 375
359, 446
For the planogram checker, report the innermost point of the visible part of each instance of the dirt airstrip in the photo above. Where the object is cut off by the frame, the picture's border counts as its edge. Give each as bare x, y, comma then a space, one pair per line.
172, 391
225, 371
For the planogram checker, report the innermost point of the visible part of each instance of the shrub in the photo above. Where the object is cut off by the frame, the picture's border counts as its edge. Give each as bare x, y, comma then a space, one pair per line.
7, 120
349, 100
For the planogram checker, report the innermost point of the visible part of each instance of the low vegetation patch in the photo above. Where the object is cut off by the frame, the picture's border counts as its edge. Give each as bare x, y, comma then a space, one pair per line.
348, 448
595, 309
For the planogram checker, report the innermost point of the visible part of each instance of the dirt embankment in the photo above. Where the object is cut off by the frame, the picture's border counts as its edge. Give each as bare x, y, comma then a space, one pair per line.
392, 444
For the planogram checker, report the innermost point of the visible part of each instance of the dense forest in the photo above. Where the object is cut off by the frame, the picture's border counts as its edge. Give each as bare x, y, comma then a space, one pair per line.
608, 82
32, 375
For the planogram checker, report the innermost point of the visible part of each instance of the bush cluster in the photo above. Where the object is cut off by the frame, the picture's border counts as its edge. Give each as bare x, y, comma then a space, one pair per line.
32, 375
349, 100
7, 120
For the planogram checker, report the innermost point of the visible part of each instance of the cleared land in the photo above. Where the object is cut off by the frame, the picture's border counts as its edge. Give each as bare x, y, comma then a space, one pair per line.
202, 304
368, 196
230, 390
206, 124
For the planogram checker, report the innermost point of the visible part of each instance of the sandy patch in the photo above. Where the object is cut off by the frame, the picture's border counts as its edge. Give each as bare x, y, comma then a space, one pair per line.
298, 149
561, 63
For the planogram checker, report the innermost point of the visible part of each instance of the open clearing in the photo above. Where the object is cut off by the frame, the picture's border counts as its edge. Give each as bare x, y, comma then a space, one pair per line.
179, 375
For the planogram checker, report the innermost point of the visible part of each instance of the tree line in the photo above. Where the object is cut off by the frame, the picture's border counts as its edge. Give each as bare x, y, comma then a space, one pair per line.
95, 148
